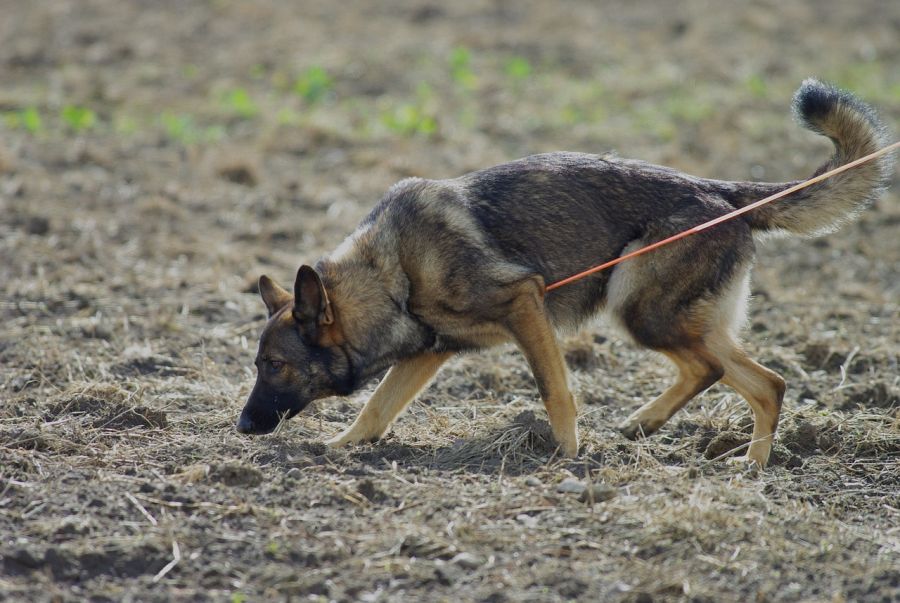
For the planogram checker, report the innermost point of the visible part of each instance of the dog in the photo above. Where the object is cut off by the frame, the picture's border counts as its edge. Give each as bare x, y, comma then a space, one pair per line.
442, 267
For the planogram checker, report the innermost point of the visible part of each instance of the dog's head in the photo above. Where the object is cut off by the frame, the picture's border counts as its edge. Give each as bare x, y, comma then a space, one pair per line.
301, 357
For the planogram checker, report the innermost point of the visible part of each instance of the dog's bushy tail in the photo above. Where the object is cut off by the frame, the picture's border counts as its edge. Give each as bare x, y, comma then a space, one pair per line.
856, 131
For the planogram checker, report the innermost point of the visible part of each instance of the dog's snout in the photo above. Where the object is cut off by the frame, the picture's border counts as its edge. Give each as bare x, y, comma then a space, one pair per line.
245, 423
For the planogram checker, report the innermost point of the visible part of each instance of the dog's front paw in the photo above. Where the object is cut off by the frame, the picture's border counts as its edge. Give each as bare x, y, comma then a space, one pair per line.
338, 441
350, 436
745, 464
568, 443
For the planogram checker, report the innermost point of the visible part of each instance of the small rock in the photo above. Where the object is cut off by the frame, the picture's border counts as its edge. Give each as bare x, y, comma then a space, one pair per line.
467, 561
570, 485
598, 492
533, 482
37, 225
447, 575
294, 472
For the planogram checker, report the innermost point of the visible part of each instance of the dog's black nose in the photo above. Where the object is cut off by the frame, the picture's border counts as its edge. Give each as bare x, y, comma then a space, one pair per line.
245, 423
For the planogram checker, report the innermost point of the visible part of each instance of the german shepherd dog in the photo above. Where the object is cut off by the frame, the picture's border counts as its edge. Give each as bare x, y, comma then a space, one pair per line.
441, 267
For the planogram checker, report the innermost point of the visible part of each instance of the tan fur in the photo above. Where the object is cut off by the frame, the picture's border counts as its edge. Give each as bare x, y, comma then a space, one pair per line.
398, 388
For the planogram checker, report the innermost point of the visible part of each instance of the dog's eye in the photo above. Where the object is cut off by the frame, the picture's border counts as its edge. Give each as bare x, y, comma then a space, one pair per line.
275, 365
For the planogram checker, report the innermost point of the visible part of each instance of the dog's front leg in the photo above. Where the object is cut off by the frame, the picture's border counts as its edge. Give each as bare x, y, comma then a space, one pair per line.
398, 388
531, 329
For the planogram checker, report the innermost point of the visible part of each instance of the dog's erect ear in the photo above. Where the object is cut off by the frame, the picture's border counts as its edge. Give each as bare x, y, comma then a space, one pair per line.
273, 295
312, 309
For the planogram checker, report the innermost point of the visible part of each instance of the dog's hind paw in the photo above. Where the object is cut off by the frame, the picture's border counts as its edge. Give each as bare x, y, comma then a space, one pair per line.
634, 429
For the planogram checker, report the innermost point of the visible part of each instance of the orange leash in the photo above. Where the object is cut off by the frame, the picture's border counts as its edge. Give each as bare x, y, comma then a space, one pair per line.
726, 217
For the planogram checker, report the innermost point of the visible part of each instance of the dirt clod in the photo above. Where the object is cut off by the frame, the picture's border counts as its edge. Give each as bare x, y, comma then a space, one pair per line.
875, 395
582, 357
726, 442
801, 438
819, 355
236, 474
108, 406
239, 173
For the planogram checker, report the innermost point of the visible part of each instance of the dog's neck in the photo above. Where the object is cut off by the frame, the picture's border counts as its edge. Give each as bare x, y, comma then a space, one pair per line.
369, 297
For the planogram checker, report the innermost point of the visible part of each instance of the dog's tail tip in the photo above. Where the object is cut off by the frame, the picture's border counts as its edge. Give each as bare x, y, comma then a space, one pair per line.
853, 125
815, 100
855, 130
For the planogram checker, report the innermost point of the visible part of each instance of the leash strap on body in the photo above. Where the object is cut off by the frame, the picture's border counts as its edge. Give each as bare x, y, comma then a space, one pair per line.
726, 217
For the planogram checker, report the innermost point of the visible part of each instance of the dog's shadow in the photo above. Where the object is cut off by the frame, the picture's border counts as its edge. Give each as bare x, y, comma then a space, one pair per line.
520, 447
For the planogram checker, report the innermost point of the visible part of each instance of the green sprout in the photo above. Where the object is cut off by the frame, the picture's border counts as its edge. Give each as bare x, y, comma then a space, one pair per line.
518, 68
313, 84
413, 117
461, 68
757, 86
238, 101
78, 118
184, 129
28, 119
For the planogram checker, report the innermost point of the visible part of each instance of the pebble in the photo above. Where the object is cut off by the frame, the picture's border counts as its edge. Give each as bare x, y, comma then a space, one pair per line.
571, 485
532, 481
467, 561
598, 492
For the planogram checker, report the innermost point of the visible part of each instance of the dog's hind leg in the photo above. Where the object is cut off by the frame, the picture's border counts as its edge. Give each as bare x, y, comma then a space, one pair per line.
398, 388
697, 370
528, 323
764, 391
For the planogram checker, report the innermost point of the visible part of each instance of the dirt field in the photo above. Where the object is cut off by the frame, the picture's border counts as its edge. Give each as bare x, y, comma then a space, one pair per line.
156, 157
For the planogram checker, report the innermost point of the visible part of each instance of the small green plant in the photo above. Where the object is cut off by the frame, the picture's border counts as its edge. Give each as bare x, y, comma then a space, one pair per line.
517, 68
757, 86
688, 108
461, 67
28, 119
238, 101
178, 127
414, 117
238, 598
78, 118
409, 119
258, 71
125, 124
314, 84
184, 129
288, 117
